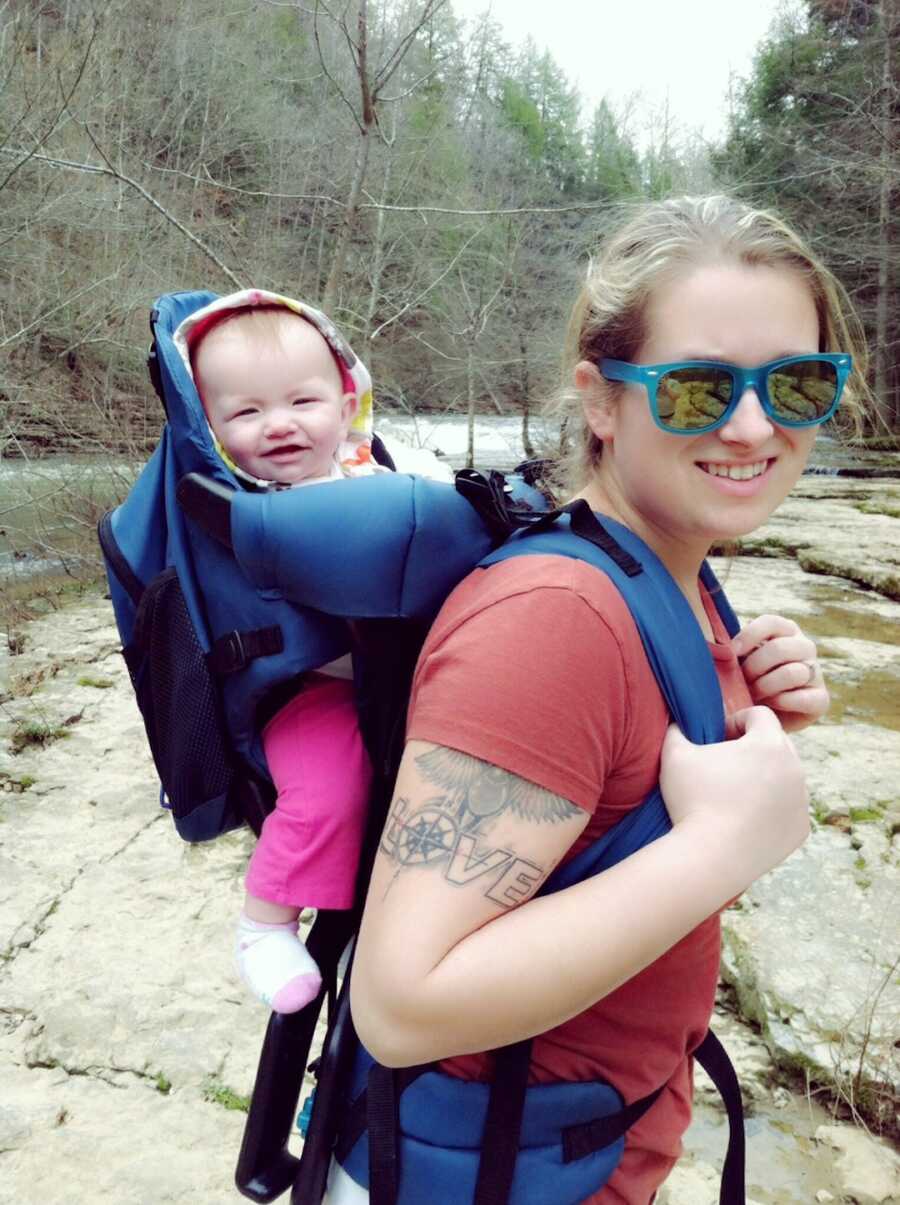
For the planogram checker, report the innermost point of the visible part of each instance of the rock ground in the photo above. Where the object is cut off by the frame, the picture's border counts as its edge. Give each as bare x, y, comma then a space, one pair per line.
124, 1034
820, 524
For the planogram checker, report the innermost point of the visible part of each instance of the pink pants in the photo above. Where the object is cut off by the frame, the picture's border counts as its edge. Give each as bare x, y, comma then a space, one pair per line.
308, 851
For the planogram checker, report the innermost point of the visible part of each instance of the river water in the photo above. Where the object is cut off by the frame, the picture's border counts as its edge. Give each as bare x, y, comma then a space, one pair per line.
49, 507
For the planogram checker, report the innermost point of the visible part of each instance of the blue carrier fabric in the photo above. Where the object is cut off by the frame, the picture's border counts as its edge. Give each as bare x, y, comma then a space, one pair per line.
438, 1138
207, 645
571, 1135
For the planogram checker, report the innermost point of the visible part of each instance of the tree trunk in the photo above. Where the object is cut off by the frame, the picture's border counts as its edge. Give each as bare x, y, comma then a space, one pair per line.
348, 226
367, 123
525, 400
470, 386
377, 261
887, 407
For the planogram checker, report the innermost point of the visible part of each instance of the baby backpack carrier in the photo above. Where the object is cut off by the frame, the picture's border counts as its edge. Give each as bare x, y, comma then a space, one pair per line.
224, 598
211, 656
418, 1134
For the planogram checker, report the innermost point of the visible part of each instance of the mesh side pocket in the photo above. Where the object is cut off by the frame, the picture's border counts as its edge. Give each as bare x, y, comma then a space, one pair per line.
179, 700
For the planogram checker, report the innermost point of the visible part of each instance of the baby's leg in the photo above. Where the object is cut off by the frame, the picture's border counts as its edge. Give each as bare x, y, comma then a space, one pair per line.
309, 847
272, 960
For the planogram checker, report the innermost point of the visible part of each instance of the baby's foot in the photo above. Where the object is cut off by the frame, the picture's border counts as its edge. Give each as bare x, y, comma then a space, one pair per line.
275, 964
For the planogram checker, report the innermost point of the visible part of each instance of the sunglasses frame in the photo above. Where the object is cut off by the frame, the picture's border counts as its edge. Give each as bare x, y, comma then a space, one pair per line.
742, 379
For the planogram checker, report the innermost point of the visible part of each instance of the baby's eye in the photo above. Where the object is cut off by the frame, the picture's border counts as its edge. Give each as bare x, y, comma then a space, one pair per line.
247, 410
304, 401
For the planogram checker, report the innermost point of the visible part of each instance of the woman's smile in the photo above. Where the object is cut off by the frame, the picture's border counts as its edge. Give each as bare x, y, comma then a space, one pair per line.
739, 479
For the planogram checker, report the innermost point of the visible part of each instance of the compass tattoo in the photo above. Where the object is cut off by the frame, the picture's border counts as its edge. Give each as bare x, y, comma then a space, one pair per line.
447, 830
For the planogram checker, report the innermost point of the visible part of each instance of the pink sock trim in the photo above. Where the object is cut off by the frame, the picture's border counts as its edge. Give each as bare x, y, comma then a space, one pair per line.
296, 994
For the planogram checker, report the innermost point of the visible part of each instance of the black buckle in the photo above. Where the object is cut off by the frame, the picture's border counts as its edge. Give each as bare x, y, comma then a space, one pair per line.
235, 650
230, 653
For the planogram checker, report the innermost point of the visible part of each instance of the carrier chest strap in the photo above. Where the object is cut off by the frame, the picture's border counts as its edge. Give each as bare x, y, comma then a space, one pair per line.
235, 650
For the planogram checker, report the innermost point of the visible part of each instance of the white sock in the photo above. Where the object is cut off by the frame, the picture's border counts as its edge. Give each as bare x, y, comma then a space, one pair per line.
275, 964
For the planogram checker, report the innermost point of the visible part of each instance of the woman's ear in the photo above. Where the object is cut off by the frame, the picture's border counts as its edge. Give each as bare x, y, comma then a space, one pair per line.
596, 399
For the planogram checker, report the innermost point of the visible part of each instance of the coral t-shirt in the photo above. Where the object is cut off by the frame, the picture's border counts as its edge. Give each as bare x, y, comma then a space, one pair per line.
536, 666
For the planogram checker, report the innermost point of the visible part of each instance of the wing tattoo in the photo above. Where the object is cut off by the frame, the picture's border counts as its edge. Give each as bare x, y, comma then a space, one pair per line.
486, 790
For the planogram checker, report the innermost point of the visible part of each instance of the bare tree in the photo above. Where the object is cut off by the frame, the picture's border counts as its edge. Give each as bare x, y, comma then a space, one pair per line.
372, 81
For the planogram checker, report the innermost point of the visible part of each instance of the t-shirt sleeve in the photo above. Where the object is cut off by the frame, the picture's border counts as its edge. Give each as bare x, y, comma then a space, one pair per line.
533, 682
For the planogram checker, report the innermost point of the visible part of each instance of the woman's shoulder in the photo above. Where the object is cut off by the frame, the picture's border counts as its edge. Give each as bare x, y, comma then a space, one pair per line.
536, 666
534, 586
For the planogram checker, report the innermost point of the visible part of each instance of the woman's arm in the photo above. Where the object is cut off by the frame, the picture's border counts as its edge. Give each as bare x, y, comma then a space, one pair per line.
448, 961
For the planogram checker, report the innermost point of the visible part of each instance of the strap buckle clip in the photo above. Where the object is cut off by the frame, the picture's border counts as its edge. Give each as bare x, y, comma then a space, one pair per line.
231, 654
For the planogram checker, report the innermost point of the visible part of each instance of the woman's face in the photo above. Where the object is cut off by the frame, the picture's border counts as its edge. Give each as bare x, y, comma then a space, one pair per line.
674, 489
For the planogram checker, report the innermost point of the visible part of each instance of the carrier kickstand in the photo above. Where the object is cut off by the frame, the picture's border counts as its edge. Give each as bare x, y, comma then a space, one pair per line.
266, 1168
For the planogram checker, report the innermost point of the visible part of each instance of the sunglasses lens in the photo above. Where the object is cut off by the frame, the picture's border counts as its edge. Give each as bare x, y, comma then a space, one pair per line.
803, 392
687, 398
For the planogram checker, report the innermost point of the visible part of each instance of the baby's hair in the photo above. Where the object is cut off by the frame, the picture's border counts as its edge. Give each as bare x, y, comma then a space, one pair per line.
657, 241
264, 325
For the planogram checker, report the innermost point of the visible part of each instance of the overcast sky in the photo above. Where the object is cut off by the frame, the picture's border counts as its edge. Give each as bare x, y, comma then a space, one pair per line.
616, 48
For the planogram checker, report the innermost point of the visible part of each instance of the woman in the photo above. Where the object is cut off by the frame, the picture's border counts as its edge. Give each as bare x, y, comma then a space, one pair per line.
534, 709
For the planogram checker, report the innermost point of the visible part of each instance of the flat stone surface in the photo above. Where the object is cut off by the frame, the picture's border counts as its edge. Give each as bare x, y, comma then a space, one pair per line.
870, 1174
839, 526
122, 1023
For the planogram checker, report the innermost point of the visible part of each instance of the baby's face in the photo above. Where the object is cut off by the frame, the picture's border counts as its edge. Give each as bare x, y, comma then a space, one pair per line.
277, 408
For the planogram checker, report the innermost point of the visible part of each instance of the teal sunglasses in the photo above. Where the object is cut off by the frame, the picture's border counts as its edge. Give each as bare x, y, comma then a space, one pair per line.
690, 397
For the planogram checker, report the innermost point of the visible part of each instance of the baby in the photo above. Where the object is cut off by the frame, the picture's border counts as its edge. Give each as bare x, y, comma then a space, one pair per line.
289, 405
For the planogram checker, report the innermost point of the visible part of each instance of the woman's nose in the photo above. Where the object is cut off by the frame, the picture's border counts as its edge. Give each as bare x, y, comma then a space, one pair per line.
749, 423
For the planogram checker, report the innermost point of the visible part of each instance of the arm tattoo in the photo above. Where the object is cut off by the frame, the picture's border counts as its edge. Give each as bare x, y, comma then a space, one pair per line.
445, 831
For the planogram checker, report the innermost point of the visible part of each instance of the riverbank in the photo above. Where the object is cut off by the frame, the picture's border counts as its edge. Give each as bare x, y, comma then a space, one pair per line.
127, 1047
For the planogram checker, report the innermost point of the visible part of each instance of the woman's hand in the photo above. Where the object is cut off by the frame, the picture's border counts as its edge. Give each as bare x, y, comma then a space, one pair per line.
745, 798
781, 670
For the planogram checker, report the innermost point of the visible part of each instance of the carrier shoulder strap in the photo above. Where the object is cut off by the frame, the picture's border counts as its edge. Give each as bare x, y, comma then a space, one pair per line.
675, 646
687, 678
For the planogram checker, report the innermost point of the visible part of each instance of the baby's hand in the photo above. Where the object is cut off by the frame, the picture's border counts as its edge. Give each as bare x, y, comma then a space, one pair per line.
781, 670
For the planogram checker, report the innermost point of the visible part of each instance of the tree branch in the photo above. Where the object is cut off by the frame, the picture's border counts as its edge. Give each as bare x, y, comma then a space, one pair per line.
210, 182
95, 170
415, 301
389, 100
62, 305
396, 57
63, 108
337, 87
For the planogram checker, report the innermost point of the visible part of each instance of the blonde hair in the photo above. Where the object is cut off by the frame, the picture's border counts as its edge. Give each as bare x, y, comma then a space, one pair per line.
658, 240
263, 324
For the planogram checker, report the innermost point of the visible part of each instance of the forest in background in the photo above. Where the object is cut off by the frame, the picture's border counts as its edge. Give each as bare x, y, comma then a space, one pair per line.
433, 187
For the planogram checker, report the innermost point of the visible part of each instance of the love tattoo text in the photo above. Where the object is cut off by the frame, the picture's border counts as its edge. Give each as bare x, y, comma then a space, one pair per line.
447, 831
